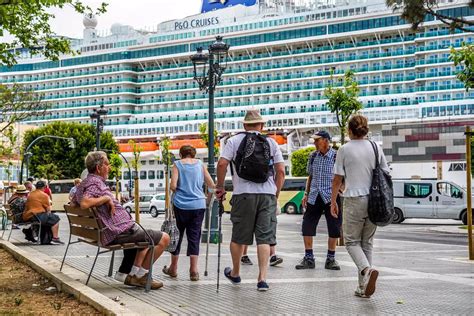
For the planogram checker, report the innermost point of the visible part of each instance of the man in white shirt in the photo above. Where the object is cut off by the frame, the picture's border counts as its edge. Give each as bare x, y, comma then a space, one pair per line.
258, 174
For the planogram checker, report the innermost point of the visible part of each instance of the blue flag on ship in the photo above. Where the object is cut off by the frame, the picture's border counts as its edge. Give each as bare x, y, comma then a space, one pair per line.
210, 5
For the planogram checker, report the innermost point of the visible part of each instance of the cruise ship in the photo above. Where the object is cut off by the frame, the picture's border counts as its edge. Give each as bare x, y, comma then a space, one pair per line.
283, 53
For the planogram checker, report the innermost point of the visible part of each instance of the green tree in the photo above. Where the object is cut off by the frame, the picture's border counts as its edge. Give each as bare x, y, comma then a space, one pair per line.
299, 161
18, 103
136, 150
27, 22
167, 159
343, 101
116, 164
49, 171
464, 57
69, 161
8, 150
415, 11
204, 134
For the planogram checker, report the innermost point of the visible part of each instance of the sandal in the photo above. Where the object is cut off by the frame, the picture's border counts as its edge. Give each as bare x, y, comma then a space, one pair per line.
166, 270
194, 276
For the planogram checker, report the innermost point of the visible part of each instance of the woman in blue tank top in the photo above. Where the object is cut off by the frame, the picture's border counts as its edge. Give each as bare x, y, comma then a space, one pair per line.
189, 202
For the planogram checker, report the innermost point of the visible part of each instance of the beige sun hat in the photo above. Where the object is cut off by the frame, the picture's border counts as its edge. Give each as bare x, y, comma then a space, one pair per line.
21, 189
253, 116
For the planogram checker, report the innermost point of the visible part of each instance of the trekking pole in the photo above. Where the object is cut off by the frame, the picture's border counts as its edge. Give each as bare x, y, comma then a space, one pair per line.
221, 211
209, 212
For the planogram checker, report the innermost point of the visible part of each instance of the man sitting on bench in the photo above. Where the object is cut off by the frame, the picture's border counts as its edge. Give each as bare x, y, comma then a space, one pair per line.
120, 228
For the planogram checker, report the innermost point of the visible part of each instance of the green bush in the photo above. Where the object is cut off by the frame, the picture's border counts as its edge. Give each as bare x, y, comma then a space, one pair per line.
299, 161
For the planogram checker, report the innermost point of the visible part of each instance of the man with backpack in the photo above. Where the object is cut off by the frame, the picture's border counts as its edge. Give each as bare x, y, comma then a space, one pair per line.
258, 174
317, 201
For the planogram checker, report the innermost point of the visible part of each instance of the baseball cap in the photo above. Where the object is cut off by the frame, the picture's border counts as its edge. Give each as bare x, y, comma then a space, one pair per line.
40, 184
321, 134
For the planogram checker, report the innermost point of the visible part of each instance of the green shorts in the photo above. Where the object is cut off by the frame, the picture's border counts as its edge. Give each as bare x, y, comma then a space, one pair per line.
253, 214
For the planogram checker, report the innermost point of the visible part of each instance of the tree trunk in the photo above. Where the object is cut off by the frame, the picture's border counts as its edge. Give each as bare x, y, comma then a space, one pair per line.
137, 208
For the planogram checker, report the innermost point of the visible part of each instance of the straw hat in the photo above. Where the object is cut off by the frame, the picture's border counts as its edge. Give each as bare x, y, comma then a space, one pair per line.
21, 189
252, 117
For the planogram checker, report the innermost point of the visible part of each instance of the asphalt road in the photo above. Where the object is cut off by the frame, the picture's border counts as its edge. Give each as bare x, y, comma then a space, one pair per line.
417, 230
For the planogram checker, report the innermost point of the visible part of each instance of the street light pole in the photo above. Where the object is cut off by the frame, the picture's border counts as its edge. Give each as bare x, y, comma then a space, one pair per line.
207, 80
210, 152
96, 115
72, 145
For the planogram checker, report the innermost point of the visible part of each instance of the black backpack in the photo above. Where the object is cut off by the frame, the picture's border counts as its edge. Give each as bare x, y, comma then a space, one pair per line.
381, 209
253, 161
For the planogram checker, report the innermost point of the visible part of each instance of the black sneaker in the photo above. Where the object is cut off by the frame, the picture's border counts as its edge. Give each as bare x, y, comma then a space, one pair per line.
306, 263
262, 286
331, 264
57, 241
29, 235
275, 260
234, 280
245, 260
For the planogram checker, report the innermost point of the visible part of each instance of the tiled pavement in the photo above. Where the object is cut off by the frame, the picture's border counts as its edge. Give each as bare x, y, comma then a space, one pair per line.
415, 278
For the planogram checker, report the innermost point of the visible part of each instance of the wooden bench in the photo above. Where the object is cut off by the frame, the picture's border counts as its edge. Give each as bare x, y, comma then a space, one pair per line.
10, 218
87, 227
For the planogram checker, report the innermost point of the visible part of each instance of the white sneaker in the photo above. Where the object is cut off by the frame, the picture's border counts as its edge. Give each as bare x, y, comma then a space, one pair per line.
369, 281
360, 293
119, 276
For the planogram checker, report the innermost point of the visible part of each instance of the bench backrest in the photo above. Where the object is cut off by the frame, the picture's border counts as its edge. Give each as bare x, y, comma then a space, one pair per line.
8, 210
84, 223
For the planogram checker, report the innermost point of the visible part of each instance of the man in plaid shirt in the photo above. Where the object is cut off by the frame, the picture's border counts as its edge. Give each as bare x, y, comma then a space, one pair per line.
119, 228
317, 200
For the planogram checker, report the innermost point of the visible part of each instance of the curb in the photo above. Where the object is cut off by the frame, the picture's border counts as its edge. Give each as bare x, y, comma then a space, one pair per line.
459, 231
49, 268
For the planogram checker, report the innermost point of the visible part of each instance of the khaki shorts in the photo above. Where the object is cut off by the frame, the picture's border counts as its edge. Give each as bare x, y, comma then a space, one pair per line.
253, 214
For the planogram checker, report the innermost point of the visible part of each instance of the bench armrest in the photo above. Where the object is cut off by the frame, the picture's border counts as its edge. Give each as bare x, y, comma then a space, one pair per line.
146, 233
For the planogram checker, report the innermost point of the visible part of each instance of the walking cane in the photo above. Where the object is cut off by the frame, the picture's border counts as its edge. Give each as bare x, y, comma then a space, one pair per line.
209, 213
221, 211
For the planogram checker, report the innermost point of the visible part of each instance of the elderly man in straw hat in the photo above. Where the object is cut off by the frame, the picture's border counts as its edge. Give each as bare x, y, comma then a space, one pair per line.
258, 174
17, 204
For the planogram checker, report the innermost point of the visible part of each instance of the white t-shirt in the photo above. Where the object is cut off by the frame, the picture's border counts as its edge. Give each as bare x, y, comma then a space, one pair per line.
355, 161
244, 186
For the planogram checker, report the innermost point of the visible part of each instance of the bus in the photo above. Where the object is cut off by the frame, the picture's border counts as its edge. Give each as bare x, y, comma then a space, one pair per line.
290, 199
60, 192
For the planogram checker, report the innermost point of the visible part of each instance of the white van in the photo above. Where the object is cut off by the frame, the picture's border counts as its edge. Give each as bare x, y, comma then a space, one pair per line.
428, 199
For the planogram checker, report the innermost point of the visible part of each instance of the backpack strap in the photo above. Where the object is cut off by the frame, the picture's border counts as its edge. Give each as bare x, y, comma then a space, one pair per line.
311, 159
232, 164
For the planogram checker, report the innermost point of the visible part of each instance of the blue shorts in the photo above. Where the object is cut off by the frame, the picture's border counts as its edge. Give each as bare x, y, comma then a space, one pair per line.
47, 219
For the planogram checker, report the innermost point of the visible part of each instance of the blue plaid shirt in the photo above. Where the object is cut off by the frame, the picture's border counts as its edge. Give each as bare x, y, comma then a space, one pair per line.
321, 172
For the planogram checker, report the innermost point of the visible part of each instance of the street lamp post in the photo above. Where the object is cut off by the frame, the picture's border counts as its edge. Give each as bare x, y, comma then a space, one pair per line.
208, 79
27, 157
96, 115
72, 145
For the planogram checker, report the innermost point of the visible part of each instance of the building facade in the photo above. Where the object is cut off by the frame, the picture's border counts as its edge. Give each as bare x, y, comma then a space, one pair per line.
281, 59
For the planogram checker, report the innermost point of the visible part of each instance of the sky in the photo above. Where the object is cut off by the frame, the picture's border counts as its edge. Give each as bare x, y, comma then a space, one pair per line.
139, 14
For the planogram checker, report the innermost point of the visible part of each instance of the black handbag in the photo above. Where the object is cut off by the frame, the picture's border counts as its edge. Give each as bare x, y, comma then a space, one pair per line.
381, 209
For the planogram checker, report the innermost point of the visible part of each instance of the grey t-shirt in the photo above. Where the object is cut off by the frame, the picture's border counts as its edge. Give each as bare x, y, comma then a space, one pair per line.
244, 186
355, 161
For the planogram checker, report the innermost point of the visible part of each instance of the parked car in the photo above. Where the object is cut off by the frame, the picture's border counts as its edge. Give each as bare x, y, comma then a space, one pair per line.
428, 198
153, 204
